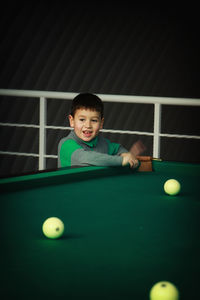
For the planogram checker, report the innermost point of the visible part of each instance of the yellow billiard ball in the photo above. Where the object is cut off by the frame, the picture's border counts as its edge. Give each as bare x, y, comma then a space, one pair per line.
172, 187
53, 228
164, 290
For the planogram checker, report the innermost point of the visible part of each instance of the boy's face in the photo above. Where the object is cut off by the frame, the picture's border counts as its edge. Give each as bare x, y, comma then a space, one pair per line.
86, 123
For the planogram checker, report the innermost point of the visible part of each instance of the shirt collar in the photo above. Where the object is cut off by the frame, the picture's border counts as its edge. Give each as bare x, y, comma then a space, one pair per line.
91, 143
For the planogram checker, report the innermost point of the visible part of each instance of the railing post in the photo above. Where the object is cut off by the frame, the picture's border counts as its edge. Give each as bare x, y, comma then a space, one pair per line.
42, 133
157, 130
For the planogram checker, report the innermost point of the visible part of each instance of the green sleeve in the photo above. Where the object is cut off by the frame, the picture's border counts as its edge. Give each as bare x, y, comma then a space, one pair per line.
66, 151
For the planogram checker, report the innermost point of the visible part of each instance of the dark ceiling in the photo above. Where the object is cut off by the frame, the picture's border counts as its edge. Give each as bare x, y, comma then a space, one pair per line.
101, 48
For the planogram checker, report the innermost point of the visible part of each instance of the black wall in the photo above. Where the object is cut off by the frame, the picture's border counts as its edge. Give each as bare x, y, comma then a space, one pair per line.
99, 48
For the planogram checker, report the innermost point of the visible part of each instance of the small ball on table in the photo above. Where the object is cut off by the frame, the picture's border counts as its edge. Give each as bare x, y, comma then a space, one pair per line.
164, 290
53, 228
172, 187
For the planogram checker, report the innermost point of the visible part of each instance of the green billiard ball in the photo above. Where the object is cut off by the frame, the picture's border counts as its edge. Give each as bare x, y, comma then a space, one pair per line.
164, 290
53, 228
172, 187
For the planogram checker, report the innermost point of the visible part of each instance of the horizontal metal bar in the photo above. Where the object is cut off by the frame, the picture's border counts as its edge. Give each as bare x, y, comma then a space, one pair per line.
19, 125
181, 136
104, 97
19, 153
127, 132
104, 130
51, 156
58, 127
37, 94
27, 154
150, 100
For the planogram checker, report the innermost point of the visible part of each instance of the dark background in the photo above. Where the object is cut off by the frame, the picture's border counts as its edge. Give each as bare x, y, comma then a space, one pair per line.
100, 48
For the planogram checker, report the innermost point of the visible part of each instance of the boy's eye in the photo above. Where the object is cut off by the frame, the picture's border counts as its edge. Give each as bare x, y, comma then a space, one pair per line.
93, 120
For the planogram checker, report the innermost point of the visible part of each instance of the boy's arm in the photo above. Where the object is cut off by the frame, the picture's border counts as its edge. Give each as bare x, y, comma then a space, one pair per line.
72, 154
81, 157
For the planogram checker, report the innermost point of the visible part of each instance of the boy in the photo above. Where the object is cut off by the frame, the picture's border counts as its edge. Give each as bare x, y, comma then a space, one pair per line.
84, 146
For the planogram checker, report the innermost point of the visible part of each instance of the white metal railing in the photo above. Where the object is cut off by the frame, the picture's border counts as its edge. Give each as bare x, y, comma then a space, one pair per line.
44, 95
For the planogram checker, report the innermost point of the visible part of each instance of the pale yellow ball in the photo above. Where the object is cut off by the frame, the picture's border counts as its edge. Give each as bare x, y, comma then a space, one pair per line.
172, 187
164, 290
53, 228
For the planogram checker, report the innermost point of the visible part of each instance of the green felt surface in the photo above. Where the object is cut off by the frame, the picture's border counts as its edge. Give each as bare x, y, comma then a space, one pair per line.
122, 233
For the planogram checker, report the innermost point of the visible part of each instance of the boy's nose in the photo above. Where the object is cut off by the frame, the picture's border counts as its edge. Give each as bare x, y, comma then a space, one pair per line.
88, 123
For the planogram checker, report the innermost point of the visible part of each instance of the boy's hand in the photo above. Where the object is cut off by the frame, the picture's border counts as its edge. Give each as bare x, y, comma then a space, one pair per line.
130, 159
137, 148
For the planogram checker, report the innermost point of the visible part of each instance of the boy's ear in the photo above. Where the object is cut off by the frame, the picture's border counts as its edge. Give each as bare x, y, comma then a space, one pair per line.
102, 121
71, 121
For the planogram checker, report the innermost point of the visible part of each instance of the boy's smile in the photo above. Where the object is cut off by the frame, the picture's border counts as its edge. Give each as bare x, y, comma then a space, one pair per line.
86, 123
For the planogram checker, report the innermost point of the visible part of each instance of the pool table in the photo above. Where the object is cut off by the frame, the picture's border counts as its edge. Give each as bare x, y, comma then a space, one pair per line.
122, 233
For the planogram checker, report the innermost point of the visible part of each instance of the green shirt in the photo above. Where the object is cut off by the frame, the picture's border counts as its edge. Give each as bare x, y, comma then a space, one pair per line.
72, 151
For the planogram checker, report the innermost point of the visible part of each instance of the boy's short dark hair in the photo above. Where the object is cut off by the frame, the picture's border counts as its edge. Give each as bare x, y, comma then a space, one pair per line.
87, 101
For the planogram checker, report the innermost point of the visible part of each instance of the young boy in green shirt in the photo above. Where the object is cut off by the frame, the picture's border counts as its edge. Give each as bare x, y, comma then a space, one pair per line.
84, 146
